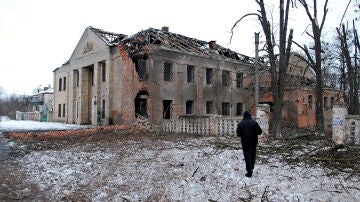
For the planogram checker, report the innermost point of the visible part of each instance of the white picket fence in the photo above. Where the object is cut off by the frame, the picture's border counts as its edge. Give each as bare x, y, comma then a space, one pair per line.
33, 116
202, 125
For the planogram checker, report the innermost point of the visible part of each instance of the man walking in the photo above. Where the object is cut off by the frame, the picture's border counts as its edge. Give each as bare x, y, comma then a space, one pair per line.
248, 129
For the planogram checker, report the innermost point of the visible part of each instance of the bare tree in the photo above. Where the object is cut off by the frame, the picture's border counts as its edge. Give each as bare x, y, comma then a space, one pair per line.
352, 69
278, 61
315, 62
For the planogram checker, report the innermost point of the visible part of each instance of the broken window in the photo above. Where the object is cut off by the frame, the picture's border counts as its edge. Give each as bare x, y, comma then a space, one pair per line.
142, 70
64, 83
209, 76
325, 102
310, 101
209, 107
59, 110
167, 109
141, 104
60, 84
189, 106
239, 109
226, 108
239, 80
225, 78
63, 110
190, 74
103, 109
168, 71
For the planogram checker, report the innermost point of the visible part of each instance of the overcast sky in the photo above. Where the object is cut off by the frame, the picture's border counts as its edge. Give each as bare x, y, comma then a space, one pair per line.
37, 36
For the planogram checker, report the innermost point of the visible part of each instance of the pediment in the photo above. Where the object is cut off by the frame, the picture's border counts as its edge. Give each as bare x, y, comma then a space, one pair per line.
89, 43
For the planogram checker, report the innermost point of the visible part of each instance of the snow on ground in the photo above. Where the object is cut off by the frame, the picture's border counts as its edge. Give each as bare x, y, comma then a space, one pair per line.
12, 125
186, 170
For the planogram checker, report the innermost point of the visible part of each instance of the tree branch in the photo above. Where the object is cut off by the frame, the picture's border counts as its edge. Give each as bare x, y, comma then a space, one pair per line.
324, 16
309, 60
249, 14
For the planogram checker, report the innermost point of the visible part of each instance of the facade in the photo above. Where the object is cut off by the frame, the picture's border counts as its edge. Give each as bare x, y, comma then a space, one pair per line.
155, 74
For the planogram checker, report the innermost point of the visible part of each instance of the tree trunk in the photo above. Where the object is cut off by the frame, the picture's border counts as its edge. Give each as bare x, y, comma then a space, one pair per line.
278, 72
319, 81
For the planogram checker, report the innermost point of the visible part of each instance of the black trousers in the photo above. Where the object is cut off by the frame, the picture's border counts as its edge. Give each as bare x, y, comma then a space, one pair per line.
250, 156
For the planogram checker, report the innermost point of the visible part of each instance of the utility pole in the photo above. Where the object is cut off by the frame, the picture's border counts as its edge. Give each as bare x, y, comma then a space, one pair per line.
256, 72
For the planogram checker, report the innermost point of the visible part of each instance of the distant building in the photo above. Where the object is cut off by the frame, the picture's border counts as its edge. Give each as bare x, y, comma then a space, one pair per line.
299, 95
154, 74
41, 100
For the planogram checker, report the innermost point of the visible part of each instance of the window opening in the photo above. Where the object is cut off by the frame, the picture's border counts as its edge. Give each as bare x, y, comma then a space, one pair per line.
225, 78
310, 101
63, 110
141, 104
59, 110
209, 107
64, 83
167, 109
103, 109
226, 108
60, 84
142, 70
239, 80
239, 109
190, 74
167, 71
209, 76
189, 106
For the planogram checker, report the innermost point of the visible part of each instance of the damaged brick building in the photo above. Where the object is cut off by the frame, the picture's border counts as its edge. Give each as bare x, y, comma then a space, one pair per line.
153, 74
299, 94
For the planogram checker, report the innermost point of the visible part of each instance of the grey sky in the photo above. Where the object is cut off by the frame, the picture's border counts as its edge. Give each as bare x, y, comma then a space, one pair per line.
37, 36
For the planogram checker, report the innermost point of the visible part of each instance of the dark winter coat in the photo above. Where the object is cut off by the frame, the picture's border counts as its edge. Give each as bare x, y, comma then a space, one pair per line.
248, 129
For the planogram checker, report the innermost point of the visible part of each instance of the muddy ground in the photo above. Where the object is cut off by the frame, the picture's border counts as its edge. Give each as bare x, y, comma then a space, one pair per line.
132, 164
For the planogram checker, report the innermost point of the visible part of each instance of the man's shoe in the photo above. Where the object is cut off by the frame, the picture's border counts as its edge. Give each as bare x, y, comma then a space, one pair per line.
248, 174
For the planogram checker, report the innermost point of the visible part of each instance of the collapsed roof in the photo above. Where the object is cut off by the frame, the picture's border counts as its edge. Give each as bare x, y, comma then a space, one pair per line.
110, 38
170, 40
179, 42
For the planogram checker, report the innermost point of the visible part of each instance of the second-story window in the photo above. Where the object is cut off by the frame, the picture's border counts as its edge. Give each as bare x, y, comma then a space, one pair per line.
310, 101
239, 80
60, 84
168, 74
225, 78
190, 74
77, 74
209, 76
64, 88
142, 70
